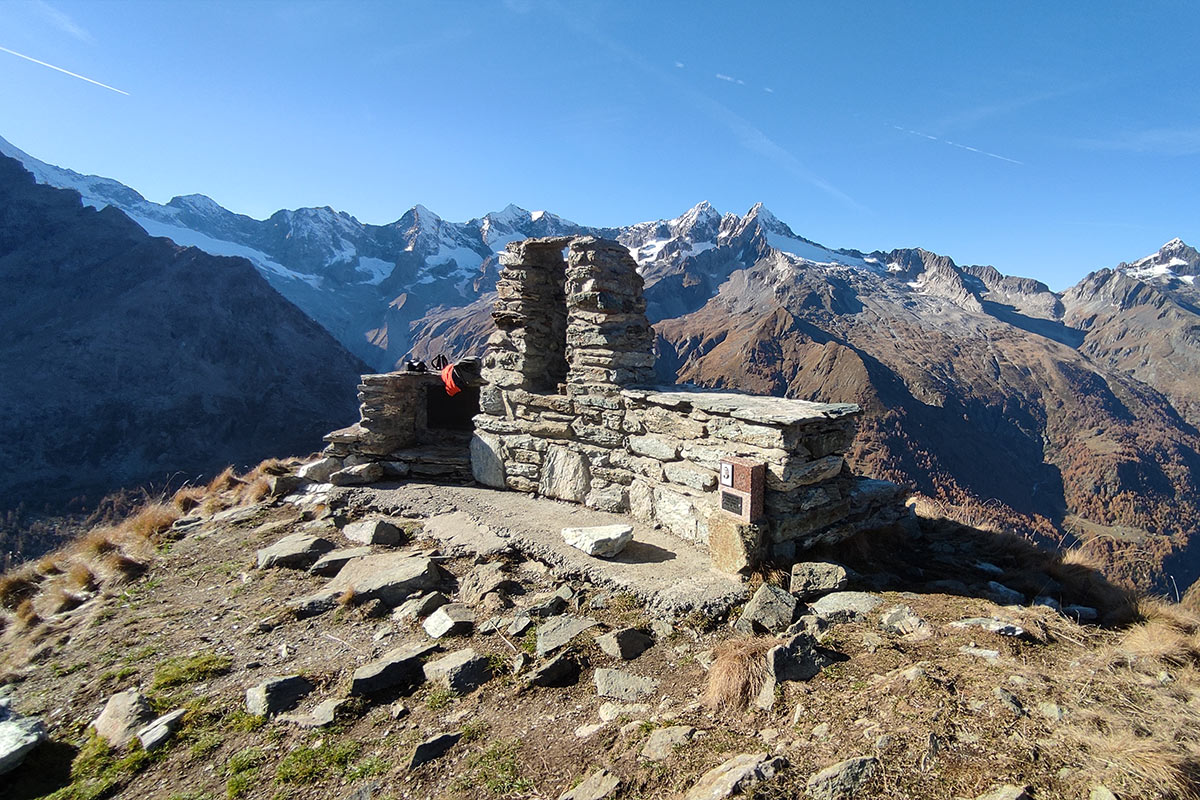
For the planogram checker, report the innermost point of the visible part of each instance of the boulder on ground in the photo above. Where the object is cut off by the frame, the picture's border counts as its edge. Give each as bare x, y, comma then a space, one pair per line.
460, 671
19, 735
662, 741
399, 667
797, 660
770, 610
123, 716
626, 643
390, 577
419, 607
277, 694
556, 632
374, 530
602, 541
622, 685
562, 670
482, 581
452, 619
319, 471
842, 780
433, 748
159, 731
296, 551
332, 562
735, 776
811, 579
846, 606
600, 785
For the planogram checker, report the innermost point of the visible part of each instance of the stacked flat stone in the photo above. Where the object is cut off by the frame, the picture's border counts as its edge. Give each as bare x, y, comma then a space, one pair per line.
611, 443
392, 416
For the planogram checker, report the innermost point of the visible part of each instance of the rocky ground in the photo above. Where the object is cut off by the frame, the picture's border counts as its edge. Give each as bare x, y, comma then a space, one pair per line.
416, 642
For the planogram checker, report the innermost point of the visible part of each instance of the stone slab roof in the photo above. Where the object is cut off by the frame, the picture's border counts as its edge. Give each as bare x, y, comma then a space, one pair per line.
747, 407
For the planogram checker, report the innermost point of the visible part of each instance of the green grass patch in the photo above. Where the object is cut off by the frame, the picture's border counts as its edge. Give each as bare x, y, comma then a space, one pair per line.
189, 669
307, 764
440, 698
497, 770
98, 771
244, 721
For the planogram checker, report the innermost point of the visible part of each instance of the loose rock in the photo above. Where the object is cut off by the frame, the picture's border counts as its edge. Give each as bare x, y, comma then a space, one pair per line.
433, 748
600, 785
663, 741
332, 562
157, 732
276, 694
735, 776
621, 685
602, 541
319, 471
558, 631
562, 670
811, 579
771, 609
422, 605
845, 606
399, 667
374, 530
483, 580
626, 643
460, 671
357, 476
798, 660
123, 716
18, 736
297, 551
452, 619
842, 780
1003, 595
390, 577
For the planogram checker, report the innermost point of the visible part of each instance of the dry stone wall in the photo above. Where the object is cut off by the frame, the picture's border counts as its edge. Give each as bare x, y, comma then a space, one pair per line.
573, 419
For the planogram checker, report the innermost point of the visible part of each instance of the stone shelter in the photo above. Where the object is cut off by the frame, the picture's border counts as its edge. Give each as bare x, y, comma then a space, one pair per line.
567, 407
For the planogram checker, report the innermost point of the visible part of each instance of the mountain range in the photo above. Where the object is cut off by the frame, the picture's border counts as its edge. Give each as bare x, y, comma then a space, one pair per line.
1070, 416
129, 360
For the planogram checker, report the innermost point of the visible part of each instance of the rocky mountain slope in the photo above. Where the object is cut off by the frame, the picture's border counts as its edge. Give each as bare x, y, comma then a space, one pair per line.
1068, 415
183, 656
128, 359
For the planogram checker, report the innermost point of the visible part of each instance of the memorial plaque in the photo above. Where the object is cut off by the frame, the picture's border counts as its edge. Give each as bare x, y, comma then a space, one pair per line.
741, 487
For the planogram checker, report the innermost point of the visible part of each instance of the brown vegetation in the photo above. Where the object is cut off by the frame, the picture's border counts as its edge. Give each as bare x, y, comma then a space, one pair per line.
738, 672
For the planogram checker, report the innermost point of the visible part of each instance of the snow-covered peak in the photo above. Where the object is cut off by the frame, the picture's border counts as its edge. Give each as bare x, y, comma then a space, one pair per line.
1175, 259
510, 216
197, 203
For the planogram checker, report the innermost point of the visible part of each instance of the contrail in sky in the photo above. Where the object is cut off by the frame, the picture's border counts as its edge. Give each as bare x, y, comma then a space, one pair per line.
64, 71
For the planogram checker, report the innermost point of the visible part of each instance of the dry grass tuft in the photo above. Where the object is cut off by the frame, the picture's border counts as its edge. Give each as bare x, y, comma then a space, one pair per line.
1148, 646
738, 672
254, 491
121, 568
188, 498
58, 600
271, 466
17, 587
80, 576
225, 481
26, 615
97, 542
48, 565
1175, 615
1147, 766
1083, 581
346, 598
152, 520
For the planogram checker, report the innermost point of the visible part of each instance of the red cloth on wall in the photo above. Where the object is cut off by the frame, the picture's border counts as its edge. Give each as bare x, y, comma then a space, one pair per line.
448, 379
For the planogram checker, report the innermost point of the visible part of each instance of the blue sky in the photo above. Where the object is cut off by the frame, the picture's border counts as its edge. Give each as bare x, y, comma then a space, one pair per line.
1047, 139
